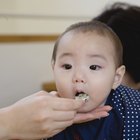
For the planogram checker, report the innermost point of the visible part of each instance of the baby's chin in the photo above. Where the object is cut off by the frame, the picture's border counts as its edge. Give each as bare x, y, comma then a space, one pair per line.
89, 107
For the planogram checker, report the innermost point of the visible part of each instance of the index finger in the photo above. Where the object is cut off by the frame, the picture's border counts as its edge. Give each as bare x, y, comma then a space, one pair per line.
67, 104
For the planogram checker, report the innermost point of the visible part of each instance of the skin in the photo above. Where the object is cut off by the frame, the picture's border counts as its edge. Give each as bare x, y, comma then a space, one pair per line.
85, 62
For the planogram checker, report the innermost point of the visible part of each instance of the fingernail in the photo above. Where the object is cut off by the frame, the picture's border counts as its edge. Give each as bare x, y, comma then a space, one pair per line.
107, 114
110, 107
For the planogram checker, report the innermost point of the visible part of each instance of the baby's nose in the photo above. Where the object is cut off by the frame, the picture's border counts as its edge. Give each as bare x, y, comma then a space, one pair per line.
79, 80
79, 77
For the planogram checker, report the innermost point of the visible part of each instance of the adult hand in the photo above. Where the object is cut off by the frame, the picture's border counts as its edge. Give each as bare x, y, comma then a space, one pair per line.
97, 113
40, 115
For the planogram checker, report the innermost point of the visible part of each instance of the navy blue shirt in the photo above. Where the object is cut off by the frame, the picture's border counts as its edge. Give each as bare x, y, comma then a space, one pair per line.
123, 122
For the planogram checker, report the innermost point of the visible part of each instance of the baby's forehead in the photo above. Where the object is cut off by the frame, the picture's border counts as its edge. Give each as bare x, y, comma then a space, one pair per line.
90, 36
86, 40
93, 33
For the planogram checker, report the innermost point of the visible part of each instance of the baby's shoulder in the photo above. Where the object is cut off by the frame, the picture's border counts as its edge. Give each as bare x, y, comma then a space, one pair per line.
129, 109
130, 97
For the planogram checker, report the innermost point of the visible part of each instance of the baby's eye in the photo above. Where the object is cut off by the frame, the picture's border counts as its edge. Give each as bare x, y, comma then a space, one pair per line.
67, 66
95, 67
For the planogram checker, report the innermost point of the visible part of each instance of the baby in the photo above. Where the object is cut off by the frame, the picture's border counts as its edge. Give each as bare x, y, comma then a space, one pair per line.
87, 64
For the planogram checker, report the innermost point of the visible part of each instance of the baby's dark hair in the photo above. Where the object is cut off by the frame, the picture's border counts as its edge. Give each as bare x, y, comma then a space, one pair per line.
92, 27
124, 20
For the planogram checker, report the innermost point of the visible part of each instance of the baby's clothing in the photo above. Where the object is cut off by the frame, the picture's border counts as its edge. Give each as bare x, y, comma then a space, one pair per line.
123, 122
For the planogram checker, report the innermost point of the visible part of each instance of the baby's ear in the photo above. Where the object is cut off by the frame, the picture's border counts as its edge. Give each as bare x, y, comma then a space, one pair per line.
119, 76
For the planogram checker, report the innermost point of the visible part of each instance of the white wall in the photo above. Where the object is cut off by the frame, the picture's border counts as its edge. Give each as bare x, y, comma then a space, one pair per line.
45, 16
25, 66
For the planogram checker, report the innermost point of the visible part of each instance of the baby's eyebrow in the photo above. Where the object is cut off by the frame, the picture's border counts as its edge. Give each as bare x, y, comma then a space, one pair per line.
65, 54
97, 56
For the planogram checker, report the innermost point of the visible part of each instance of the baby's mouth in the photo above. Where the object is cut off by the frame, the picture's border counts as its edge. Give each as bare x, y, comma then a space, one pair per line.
82, 95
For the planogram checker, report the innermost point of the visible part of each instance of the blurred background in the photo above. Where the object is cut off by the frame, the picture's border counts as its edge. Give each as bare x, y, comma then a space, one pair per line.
28, 30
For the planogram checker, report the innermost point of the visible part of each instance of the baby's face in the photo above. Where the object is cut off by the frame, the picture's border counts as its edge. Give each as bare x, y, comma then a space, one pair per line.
85, 64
